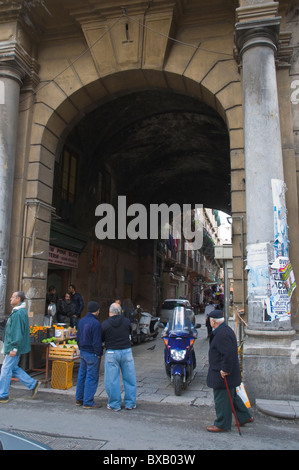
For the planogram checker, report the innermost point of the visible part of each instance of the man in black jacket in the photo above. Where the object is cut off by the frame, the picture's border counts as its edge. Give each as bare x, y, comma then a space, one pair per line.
223, 361
116, 331
79, 303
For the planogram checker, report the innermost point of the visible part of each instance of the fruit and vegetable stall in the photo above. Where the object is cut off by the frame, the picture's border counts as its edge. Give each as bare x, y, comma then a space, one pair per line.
58, 344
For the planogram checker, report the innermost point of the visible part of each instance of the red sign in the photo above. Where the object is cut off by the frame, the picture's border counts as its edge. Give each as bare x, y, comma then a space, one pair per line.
63, 257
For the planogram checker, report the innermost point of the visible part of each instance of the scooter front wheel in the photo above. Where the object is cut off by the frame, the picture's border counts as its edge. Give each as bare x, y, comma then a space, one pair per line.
177, 380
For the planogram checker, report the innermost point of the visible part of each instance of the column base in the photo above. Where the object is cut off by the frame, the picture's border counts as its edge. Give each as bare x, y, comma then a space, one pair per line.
270, 364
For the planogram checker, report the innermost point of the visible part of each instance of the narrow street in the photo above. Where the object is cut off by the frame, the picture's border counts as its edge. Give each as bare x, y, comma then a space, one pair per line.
161, 421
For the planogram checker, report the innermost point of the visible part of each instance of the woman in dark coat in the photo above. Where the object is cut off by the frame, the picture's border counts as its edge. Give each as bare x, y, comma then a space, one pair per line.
223, 361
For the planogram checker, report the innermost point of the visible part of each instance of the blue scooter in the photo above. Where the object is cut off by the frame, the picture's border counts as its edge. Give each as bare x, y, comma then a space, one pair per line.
179, 356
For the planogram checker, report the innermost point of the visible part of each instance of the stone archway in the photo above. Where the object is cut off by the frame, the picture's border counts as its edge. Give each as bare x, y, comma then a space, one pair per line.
51, 126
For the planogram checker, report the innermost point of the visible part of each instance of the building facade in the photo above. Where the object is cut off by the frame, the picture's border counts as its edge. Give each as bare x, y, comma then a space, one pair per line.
163, 101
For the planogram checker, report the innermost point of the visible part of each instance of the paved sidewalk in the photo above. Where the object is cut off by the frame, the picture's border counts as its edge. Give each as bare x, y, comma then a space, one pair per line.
152, 383
153, 386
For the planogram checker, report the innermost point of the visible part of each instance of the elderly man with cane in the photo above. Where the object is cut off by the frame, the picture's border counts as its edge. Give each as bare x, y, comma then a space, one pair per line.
223, 363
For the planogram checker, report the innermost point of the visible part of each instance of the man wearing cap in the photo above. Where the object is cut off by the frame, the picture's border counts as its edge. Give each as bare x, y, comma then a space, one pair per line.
89, 340
223, 361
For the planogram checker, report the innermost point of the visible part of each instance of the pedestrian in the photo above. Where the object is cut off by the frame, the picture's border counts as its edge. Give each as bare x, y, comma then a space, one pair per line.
116, 331
79, 302
89, 340
16, 343
66, 309
223, 361
51, 297
209, 308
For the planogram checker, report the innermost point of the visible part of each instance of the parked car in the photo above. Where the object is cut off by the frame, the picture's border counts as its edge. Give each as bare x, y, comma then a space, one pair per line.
169, 305
12, 441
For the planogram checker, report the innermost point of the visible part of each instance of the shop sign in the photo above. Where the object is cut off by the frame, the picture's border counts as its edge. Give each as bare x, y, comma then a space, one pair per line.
63, 257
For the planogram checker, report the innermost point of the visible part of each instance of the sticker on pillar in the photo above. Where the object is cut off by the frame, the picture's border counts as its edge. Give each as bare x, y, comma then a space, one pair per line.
281, 242
258, 270
288, 277
278, 304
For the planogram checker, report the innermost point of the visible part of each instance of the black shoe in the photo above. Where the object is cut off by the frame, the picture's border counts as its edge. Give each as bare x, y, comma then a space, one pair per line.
4, 400
34, 391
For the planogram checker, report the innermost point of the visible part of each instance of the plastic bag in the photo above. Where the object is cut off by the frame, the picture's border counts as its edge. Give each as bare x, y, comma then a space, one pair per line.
243, 395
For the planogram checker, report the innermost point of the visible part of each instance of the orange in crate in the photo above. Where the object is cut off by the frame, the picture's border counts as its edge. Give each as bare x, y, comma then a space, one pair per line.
62, 375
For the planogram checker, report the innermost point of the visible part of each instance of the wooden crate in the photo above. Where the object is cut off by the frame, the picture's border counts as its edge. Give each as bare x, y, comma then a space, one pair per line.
65, 354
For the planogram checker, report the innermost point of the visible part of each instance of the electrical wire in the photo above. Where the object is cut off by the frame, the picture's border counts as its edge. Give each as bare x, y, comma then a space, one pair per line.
176, 40
143, 25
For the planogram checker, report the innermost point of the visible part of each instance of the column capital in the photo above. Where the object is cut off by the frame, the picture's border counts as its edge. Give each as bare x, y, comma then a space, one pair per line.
254, 33
17, 64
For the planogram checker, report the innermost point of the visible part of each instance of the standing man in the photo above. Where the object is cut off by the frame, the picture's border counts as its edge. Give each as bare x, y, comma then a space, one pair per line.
209, 308
79, 302
223, 361
89, 340
116, 331
16, 342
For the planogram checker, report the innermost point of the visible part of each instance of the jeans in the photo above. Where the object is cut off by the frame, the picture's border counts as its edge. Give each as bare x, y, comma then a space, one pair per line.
74, 322
117, 360
10, 367
88, 378
224, 410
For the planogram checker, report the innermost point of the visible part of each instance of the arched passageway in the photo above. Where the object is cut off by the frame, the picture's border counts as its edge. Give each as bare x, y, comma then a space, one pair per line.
159, 147
162, 147
152, 146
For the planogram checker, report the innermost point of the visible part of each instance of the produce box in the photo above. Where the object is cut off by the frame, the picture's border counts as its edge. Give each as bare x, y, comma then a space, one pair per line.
64, 352
38, 333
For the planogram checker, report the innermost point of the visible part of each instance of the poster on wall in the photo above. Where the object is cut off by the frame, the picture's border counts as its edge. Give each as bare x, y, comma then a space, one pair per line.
258, 269
282, 285
288, 277
281, 242
281, 276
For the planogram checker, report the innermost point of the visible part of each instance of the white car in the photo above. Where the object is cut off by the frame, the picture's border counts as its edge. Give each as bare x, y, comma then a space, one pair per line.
169, 305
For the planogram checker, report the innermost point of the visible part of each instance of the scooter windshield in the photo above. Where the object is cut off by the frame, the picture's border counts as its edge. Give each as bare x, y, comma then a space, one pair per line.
179, 323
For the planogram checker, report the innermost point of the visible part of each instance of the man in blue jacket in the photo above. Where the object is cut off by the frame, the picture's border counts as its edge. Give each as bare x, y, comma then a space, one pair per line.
89, 340
223, 362
16, 343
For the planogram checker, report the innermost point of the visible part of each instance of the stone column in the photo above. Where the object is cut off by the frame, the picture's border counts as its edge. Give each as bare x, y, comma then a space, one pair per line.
10, 81
268, 369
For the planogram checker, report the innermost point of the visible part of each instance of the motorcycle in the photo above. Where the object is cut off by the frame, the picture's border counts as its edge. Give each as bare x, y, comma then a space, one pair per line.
148, 325
179, 355
144, 325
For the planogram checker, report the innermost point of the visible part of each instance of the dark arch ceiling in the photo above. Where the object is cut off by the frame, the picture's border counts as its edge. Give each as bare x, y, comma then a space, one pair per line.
160, 147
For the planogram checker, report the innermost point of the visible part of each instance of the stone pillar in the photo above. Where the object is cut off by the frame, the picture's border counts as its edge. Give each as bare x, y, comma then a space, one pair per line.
267, 353
10, 81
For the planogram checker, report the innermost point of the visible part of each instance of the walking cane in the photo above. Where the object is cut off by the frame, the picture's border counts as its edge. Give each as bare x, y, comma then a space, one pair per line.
232, 405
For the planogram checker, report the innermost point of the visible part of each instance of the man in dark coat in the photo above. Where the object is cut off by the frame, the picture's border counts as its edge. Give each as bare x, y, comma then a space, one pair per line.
223, 361
89, 339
